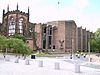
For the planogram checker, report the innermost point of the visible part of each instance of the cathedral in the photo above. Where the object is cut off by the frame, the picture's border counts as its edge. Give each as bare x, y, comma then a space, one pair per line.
54, 36
17, 22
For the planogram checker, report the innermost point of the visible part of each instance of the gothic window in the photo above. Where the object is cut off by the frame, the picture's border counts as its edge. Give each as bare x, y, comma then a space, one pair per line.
49, 30
12, 26
21, 25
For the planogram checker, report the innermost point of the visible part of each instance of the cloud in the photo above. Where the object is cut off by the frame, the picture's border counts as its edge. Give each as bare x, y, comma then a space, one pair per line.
81, 3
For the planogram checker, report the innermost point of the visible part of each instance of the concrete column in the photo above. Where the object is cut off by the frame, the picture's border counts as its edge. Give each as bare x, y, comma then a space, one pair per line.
52, 39
72, 40
77, 68
17, 60
81, 40
57, 65
86, 43
47, 37
27, 62
40, 63
7, 58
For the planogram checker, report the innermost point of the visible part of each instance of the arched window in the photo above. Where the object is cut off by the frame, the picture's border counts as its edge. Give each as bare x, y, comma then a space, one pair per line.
21, 25
12, 26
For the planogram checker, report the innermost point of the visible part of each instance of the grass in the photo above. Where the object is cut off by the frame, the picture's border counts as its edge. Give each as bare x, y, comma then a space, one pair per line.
41, 54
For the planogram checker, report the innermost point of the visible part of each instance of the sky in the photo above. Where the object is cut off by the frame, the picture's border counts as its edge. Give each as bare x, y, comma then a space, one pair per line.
85, 13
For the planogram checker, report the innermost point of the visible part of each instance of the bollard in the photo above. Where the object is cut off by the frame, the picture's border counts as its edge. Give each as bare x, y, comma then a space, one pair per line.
57, 65
27, 62
41, 63
77, 68
17, 60
7, 59
90, 59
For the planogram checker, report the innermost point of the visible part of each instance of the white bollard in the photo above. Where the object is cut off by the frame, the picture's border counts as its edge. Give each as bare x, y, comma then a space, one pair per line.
27, 62
90, 59
77, 68
41, 63
17, 60
64, 57
7, 58
57, 65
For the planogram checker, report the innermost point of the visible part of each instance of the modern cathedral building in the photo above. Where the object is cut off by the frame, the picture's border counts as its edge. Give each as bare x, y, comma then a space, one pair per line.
55, 36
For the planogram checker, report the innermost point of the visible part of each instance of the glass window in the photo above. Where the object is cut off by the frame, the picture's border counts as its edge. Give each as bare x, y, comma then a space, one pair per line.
21, 25
50, 30
12, 26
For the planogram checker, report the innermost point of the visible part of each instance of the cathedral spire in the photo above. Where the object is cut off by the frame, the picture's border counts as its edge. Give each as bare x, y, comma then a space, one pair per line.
17, 6
28, 10
3, 16
8, 8
3, 12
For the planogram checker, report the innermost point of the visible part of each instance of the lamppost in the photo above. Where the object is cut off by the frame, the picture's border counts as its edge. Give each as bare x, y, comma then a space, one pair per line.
72, 42
89, 50
52, 37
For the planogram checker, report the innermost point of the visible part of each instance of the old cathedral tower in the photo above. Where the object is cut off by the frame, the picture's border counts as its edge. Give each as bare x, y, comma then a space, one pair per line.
15, 21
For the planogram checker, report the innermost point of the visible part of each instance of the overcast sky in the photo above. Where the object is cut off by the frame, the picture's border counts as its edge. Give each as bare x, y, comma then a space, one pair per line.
85, 13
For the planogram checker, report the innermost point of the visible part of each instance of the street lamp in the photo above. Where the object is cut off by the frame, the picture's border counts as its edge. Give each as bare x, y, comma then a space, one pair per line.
52, 37
71, 56
89, 50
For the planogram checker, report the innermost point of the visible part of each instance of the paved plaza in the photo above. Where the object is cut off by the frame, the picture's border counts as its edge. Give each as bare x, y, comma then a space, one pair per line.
66, 67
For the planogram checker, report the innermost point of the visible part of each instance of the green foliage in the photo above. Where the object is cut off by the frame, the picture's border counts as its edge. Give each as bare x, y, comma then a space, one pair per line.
22, 48
17, 44
12, 42
98, 44
97, 33
93, 44
2, 41
41, 54
95, 41
19, 36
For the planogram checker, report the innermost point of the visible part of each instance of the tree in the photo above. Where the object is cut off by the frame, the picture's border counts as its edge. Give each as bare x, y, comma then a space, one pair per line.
2, 42
95, 41
19, 36
17, 45
98, 44
22, 48
12, 42
97, 33
93, 44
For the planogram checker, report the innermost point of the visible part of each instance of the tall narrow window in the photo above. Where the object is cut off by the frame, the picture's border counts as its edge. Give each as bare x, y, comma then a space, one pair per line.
12, 26
21, 25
